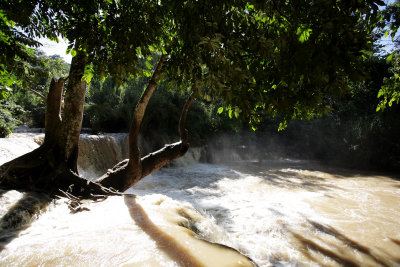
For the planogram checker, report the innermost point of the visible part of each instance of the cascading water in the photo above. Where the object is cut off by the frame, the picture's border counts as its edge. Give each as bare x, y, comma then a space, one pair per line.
277, 212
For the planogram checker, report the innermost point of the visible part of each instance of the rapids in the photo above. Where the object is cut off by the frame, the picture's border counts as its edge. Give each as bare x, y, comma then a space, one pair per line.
277, 212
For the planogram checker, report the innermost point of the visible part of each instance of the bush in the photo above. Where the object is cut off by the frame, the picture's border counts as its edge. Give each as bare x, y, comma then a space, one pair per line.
9, 112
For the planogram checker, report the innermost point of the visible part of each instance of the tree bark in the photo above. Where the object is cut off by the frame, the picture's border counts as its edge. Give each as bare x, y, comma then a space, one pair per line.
73, 111
53, 110
120, 177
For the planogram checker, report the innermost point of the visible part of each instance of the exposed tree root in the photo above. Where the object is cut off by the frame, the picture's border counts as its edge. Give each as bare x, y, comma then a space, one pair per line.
40, 171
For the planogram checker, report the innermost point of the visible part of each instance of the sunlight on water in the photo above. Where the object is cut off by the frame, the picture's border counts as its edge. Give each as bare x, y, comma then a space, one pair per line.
17, 144
277, 212
150, 234
292, 213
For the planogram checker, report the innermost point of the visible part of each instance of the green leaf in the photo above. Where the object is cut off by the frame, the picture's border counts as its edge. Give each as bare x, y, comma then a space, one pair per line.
220, 110
386, 33
282, 126
88, 73
389, 58
148, 65
237, 113
304, 35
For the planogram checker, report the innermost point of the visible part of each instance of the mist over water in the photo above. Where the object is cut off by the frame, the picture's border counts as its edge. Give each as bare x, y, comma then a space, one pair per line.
279, 212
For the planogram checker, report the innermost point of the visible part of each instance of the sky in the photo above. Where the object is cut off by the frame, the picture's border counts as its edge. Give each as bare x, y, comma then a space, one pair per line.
60, 48
53, 48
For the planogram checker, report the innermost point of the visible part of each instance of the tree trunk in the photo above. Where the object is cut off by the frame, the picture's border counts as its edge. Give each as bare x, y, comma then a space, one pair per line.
73, 111
53, 110
54, 163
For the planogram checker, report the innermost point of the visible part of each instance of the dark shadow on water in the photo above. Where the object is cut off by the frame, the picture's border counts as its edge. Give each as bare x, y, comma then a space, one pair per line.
311, 245
396, 241
177, 251
332, 251
164, 241
20, 216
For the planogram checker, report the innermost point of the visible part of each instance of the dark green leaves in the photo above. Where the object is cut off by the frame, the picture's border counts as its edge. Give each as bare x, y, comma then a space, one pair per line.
275, 58
390, 91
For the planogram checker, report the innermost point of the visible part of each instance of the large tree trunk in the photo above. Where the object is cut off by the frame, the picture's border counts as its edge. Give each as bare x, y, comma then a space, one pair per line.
54, 164
73, 111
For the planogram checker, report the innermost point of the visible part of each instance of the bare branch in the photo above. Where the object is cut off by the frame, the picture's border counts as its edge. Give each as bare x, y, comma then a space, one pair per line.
183, 133
38, 94
158, 159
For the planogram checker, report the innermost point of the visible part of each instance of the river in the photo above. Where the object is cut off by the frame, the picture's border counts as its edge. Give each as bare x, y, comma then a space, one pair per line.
279, 212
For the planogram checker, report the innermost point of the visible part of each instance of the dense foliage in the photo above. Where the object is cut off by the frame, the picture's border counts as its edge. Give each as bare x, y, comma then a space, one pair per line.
276, 58
390, 90
109, 108
9, 112
21, 104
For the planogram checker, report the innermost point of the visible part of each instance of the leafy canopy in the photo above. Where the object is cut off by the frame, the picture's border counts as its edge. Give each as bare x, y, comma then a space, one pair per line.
260, 57
390, 91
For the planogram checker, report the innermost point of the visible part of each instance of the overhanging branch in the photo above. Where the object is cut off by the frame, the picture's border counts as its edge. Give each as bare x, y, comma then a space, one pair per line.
162, 157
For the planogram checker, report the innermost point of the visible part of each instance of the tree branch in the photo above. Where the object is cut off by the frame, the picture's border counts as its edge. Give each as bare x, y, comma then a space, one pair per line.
134, 152
126, 174
38, 94
156, 160
183, 133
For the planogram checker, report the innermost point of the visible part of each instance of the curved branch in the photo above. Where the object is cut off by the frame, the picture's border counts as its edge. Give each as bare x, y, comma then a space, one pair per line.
38, 94
158, 159
126, 173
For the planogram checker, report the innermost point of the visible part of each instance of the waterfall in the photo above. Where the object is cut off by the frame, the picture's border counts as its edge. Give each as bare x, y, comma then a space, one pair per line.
97, 153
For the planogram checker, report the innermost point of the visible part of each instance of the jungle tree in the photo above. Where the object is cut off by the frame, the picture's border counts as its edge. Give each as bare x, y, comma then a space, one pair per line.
277, 58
